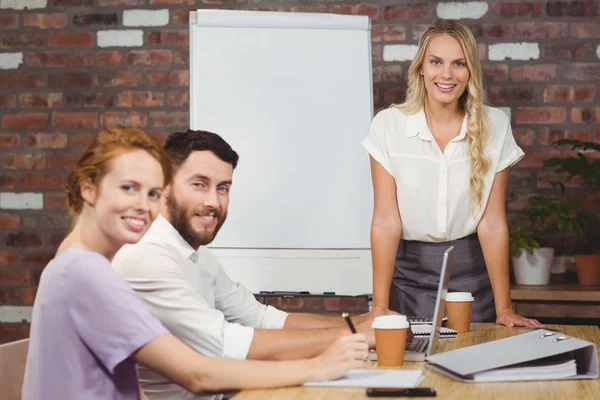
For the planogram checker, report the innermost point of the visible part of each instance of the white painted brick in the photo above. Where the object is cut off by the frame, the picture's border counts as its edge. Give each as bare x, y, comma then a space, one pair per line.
399, 52
121, 38
10, 60
513, 51
22, 4
145, 17
12, 314
506, 111
468, 10
22, 201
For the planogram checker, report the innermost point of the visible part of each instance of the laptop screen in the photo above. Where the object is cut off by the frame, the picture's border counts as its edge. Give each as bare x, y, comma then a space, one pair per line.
440, 301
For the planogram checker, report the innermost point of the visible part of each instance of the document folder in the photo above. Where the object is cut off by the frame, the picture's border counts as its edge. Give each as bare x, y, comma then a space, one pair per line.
538, 355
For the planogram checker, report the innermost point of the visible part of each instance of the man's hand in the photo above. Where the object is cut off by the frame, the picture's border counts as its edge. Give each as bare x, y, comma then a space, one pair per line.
365, 328
509, 318
345, 353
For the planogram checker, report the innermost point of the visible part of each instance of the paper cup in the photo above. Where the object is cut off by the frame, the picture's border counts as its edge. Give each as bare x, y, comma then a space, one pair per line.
459, 306
390, 339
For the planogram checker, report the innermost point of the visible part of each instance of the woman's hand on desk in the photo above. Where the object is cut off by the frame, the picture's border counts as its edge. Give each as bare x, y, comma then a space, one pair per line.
375, 312
345, 353
378, 311
365, 320
509, 318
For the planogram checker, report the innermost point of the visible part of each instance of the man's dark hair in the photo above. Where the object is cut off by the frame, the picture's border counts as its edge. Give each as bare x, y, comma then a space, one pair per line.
179, 145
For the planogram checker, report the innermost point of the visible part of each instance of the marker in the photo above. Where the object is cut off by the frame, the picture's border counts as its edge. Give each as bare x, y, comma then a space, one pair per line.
283, 293
346, 316
286, 292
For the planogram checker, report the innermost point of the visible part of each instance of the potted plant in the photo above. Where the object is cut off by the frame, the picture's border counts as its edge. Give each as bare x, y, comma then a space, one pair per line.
531, 263
545, 216
570, 221
587, 257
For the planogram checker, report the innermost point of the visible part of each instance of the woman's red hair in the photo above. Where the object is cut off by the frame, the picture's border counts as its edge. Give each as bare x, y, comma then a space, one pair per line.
93, 164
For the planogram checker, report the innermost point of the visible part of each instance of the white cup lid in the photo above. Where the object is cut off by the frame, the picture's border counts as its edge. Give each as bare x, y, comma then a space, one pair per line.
390, 322
459, 296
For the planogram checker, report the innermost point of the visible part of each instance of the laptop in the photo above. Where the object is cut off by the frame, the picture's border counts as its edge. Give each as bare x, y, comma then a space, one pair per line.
420, 348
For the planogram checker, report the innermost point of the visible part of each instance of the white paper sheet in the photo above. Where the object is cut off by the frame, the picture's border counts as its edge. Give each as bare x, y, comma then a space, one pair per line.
376, 378
530, 372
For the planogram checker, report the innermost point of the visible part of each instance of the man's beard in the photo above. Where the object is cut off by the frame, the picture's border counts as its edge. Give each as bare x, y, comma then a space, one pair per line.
180, 221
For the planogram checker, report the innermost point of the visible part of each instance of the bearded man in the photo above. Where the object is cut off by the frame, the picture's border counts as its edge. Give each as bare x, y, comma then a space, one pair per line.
183, 284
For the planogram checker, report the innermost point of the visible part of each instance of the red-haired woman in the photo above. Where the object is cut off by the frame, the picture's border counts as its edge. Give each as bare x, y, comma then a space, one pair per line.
89, 329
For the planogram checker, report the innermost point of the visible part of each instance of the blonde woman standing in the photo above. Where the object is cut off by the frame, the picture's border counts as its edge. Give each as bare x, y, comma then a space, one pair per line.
439, 166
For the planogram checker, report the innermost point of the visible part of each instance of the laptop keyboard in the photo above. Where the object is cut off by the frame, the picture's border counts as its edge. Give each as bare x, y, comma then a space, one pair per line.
417, 345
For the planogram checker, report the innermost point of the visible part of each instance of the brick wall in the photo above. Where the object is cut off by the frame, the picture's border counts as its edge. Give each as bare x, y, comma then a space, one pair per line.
332, 305
70, 67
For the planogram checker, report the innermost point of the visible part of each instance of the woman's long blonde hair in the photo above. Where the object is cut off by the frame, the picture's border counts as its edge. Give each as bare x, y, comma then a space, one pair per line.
471, 102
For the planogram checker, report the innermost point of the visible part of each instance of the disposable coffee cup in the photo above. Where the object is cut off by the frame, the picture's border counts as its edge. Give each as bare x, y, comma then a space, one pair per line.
390, 339
459, 306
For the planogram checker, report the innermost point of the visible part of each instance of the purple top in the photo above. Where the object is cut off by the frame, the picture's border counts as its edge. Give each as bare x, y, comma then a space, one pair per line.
86, 323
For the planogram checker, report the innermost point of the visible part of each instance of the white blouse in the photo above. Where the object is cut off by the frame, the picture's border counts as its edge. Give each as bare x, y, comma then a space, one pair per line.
434, 197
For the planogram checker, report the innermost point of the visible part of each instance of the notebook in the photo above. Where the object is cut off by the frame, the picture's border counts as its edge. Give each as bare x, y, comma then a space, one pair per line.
425, 330
424, 320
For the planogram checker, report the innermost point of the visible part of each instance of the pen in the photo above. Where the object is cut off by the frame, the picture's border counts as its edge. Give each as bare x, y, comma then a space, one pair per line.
346, 316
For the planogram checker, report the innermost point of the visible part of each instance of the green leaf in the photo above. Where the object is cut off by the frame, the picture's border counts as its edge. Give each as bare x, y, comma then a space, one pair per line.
568, 226
573, 205
576, 144
558, 185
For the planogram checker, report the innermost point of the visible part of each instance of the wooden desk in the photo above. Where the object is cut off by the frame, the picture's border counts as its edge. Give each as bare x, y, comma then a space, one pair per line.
558, 300
448, 388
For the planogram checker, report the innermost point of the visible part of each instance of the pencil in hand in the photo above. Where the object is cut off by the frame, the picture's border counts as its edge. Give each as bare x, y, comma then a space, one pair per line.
346, 316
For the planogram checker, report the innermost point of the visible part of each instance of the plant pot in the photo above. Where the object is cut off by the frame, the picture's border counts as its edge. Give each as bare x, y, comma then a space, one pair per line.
571, 266
533, 268
559, 265
588, 268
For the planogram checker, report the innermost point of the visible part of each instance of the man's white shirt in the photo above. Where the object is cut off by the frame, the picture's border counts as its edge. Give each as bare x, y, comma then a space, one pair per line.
195, 299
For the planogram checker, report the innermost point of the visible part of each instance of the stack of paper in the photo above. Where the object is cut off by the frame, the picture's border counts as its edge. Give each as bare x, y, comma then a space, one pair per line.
531, 371
375, 378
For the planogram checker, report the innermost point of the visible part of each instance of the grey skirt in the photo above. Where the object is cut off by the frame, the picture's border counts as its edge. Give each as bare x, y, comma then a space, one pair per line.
417, 275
